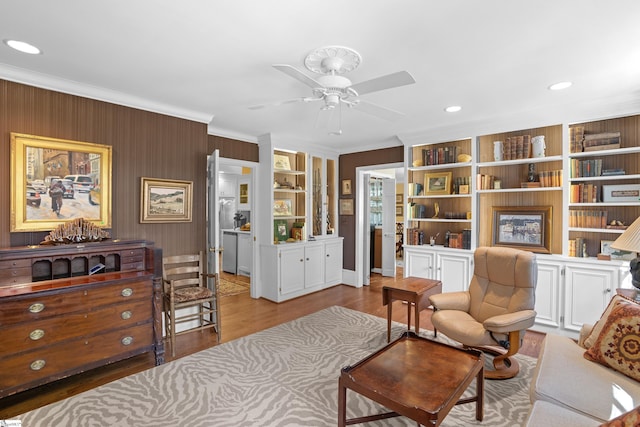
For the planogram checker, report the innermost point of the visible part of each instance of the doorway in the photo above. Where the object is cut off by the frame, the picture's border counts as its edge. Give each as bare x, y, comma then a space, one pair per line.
378, 236
236, 209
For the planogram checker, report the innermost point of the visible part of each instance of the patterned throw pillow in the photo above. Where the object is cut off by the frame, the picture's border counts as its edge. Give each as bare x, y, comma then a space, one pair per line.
597, 328
628, 419
618, 345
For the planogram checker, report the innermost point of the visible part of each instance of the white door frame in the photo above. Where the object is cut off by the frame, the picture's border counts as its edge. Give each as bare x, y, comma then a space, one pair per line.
223, 161
362, 221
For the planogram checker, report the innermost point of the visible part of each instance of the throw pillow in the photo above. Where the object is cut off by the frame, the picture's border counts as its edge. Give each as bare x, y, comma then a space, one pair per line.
597, 328
618, 345
628, 419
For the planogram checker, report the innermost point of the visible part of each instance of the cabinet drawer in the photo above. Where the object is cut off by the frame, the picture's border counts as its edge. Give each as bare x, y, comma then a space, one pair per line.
63, 359
132, 266
29, 336
132, 255
15, 275
15, 263
40, 305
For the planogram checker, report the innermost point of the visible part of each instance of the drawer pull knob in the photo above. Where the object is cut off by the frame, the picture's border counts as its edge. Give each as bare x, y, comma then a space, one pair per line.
36, 365
125, 315
127, 292
126, 340
36, 307
36, 334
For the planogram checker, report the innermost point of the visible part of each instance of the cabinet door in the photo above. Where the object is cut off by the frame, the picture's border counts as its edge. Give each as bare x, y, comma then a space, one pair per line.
454, 271
420, 264
333, 262
548, 293
244, 254
588, 291
291, 270
313, 266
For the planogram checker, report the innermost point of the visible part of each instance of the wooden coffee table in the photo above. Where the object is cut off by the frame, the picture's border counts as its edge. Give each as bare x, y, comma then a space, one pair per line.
414, 377
415, 292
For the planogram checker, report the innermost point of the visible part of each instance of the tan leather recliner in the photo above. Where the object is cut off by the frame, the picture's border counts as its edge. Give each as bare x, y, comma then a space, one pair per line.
497, 308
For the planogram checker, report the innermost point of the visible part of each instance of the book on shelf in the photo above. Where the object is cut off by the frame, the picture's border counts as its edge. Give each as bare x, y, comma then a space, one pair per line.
576, 136
439, 155
588, 219
578, 248
611, 172
584, 193
586, 168
415, 189
535, 184
601, 141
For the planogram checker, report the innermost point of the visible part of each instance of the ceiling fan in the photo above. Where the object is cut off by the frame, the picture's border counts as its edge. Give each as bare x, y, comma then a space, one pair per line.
335, 90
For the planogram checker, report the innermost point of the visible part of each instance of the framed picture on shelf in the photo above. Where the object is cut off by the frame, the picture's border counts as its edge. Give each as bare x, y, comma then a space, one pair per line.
437, 183
523, 227
282, 207
281, 162
280, 230
606, 249
346, 187
165, 200
346, 206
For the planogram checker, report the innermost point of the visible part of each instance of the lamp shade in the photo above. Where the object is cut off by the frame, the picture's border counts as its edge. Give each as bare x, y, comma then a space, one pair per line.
630, 239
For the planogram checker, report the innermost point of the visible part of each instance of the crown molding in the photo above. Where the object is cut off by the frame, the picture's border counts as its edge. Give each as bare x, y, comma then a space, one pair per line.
45, 81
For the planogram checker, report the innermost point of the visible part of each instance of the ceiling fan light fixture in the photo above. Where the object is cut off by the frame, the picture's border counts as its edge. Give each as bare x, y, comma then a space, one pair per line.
23, 47
453, 109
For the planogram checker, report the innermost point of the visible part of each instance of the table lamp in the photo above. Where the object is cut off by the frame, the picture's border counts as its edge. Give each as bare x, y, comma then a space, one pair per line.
630, 241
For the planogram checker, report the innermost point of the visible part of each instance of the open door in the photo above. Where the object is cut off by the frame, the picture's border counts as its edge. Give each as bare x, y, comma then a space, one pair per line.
213, 233
389, 227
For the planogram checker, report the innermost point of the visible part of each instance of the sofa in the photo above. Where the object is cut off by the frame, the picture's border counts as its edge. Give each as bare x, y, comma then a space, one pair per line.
568, 390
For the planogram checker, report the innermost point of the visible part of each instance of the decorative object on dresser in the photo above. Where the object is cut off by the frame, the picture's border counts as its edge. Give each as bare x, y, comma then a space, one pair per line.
56, 321
630, 241
79, 230
186, 285
165, 200
42, 160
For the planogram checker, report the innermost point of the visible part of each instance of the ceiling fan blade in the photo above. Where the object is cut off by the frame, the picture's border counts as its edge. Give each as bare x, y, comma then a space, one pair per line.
378, 111
275, 104
298, 75
401, 78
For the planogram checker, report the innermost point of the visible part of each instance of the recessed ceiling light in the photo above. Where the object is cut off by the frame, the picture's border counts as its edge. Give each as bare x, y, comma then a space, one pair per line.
453, 109
23, 47
560, 86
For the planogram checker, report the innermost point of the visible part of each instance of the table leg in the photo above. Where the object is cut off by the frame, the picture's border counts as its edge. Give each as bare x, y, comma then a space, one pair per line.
389, 311
417, 318
480, 395
408, 315
342, 404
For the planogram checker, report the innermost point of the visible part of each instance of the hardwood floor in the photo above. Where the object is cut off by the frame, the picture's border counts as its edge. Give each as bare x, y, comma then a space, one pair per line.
241, 316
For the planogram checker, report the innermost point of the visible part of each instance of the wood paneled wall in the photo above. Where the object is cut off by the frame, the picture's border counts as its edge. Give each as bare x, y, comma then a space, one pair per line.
144, 144
348, 164
233, 149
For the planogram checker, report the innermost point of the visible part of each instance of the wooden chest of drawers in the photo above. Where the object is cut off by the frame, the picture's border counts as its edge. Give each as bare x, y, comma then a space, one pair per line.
56, 328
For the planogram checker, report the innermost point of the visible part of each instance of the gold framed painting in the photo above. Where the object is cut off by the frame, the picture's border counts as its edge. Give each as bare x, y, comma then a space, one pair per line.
346, 207
165, 200
54, 181
436, 184
523, 227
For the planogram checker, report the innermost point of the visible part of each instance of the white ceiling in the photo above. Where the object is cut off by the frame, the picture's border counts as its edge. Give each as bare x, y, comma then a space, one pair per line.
210, 60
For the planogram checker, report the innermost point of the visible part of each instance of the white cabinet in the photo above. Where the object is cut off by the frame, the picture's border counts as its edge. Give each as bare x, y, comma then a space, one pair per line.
548, 292
226, 186
333, 262
290, 270
453, 267
589, 288
245, 254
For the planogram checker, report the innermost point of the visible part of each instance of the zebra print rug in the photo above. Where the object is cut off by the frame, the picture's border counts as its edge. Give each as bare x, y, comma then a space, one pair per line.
283, 376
